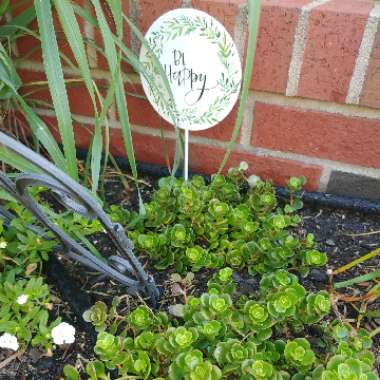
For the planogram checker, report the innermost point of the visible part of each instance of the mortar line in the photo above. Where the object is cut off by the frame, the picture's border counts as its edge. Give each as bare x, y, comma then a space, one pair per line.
299, 45
186, 4
97, 73
324, 178
246, 129
241, 23
364, 55
348, 110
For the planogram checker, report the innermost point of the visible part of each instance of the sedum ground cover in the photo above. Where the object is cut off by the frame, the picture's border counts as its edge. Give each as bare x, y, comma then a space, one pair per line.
233, 225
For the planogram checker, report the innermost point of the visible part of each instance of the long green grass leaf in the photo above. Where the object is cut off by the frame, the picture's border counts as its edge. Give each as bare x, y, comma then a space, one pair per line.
53, 70
357, 280
74, 37
81, 12
22, 20
10, 78
71, 28
253, 25
43, 134
358, 261
17, 162
169, 93
121, 103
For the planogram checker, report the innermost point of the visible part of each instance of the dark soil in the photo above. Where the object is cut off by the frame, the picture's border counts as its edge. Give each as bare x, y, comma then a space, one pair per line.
340, 233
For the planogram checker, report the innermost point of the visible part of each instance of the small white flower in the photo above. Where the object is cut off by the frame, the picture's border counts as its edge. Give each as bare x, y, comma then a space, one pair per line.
21, 300
64, 333
243, 166
253, 180
3, 244
329, 272
9, 341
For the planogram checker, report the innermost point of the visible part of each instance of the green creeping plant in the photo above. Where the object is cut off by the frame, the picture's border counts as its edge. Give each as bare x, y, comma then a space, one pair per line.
222, 335
228, 222
24, 311
24, 296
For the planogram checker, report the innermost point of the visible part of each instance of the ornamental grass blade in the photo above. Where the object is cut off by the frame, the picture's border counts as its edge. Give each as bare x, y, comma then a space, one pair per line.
74, 37
22, 20
357, 280
358, 261
253, 25
43, 134
54, 73
14, 160
158, 66
113, 60
9, 77
71, 28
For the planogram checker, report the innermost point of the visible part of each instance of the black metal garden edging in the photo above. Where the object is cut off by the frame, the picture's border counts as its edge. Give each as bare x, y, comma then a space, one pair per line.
124, 268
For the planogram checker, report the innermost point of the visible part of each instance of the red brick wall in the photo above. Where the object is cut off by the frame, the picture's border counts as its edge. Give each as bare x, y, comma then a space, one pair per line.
314, 106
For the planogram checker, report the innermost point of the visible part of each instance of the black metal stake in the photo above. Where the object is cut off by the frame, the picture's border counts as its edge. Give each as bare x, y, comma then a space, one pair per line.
125, 268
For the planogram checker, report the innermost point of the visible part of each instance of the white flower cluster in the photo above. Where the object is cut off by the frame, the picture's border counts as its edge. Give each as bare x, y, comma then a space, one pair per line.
9, 342
64, 333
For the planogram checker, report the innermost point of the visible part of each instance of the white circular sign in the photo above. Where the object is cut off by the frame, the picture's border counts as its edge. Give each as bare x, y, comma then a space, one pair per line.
202, 66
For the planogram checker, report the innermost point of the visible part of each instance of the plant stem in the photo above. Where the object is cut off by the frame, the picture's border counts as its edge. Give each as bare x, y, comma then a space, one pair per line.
353, 263
374, 332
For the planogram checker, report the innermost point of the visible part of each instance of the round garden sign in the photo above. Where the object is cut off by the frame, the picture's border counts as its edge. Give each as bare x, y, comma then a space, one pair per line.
201, 64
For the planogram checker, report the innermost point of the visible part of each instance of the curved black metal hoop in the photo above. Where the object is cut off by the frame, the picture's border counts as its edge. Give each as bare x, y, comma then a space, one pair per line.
124, 268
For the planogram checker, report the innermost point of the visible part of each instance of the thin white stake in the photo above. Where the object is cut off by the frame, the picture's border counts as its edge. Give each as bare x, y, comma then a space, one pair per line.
186, 163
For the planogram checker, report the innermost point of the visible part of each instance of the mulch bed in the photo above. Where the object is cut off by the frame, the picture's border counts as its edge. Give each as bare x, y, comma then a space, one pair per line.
340, 233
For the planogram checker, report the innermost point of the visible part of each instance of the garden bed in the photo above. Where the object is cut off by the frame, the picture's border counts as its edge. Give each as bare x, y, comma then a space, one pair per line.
343, 235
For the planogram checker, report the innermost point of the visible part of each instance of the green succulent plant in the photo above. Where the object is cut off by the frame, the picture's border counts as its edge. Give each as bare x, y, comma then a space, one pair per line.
97, 315
141, 318
259, 370
283, 303
258, 315
192, 366
299, 355
318, 305
229, 336
340, 367
195, 225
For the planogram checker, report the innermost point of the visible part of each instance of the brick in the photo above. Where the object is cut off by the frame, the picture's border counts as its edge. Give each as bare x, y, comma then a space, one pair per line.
29, 46
203, 158
354, 185
79, 99
330, 136
278, 23
335, 34
370, 95
206, 159
150, 10
224, 12
148, 149
101, 59
142, 113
